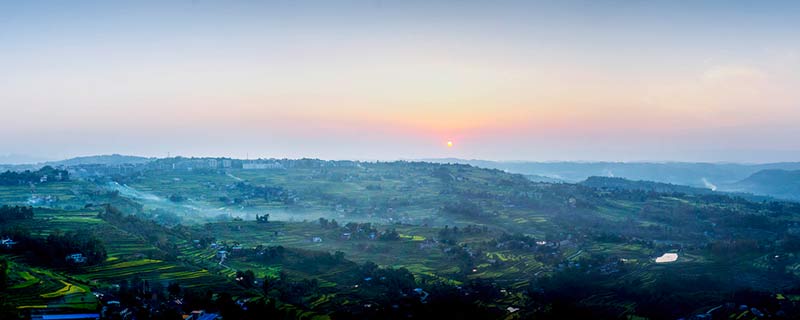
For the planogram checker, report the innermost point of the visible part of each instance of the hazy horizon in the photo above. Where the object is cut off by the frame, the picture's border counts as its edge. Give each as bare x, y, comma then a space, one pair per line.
21, 159
511, 80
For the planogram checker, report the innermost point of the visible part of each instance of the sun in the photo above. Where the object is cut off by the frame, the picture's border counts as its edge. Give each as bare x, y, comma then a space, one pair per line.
449, 144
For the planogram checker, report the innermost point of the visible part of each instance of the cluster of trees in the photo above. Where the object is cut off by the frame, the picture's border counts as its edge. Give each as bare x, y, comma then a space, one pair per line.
384, 293
177, 198
309, 261
389, 280
463, 207
45, 174
245, 278
268, 193
146, 300
361, 230
325, 223
469, 229
379, 286
53, 250
294, 292
15, 213
389, 235
515, 241
672, 294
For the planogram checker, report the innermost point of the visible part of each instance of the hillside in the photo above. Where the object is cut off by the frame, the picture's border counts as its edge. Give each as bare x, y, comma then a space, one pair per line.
720, 176
667, 188
625, 184
376, 240
784, 184
108, 160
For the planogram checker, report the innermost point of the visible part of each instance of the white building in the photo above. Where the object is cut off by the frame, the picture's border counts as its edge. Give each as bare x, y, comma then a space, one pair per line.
7, 243
262, 166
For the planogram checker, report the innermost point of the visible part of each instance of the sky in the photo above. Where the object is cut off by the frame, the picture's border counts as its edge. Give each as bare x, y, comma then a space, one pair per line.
712, 81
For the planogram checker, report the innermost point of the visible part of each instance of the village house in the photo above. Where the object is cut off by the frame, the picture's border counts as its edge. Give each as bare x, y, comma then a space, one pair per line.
222, 254
76, 258
423, 295
7, 243
427, 244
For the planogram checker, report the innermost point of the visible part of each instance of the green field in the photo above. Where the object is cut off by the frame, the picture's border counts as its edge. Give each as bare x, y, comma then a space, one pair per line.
515, 235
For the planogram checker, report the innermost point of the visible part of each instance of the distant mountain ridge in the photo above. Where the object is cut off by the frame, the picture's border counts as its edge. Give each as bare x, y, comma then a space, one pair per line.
660, 187
107, 160
112, 159
685, 173
625, 184
783, 184
729, 177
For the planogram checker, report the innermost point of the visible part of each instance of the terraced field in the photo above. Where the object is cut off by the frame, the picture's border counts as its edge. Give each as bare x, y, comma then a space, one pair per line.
512, 234
65, 193
127, 259
154, 271
35, 288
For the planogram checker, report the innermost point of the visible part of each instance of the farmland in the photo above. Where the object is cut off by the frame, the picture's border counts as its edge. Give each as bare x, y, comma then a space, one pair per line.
338, 238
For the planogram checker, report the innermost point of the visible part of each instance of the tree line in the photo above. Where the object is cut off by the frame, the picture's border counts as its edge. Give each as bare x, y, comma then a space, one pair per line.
43, 175
53, 250
15, 213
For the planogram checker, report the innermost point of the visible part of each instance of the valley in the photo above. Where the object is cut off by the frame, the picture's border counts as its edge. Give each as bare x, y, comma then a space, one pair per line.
309, 238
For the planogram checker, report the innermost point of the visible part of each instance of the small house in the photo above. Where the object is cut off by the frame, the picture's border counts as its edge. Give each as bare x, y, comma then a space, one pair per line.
316, 240
7, 243
423, 295
76, 258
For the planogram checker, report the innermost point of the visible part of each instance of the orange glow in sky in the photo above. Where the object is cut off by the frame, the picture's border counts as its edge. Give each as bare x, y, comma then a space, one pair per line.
528, 81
